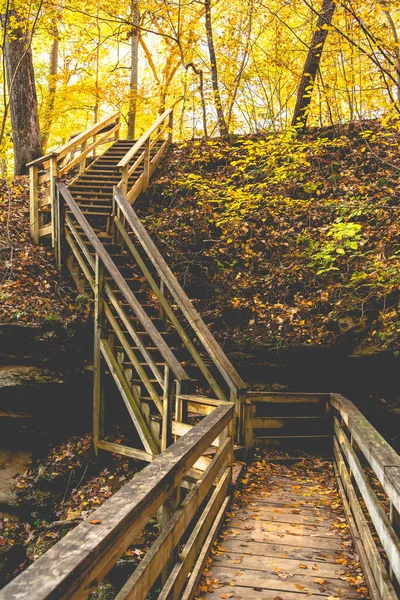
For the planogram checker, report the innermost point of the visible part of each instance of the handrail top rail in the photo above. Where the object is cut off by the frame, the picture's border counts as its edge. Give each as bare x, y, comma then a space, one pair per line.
162, 346
76, 140
143, 138
378, 452
229, 373
89, 551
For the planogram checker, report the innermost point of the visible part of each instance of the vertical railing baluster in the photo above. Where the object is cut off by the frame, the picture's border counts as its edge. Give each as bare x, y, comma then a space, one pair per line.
34, 202
168, 404
170, 126
98, 392
53, 179
59, 218
82, 162
146, 165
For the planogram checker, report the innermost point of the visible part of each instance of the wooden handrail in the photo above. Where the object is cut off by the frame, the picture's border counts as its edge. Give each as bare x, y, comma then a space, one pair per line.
109, 264
220, 359
128, 156
76, 140
74, 566
355, 436
378, 452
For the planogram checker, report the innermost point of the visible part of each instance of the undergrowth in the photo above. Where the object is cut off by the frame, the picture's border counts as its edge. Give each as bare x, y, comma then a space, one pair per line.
287, 240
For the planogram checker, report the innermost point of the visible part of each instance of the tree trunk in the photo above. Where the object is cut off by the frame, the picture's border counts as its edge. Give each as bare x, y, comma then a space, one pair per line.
396, 41
51, 92
133, 87
223, 129
311, 65
22, 95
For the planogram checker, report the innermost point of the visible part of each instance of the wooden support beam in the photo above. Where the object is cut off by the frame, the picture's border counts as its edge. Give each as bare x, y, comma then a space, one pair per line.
130, 402
72, 568
34, 202
98, 392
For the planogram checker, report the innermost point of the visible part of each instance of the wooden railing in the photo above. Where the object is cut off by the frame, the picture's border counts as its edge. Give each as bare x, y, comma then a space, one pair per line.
138, 160
44, 171
95, 263
364, 464
362, 454
76, 565
177, 307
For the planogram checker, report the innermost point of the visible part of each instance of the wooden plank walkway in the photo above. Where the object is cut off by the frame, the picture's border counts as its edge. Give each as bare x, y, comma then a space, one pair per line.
285, 539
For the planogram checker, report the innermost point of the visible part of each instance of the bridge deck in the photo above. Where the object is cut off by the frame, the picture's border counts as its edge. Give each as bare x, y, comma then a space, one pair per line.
286, 538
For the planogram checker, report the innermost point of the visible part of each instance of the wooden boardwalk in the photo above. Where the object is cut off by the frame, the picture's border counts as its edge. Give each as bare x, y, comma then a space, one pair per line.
285, 539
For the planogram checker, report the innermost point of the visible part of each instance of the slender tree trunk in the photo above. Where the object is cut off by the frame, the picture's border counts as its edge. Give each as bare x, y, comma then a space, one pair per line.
96, 108
22, 94
311, 65
133, 86
391, 23
223, 129
51, 92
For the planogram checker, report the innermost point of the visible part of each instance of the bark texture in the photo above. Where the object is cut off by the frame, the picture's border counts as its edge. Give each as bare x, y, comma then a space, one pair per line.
223, 129
51, 92
311, 65
133, 87
22, 96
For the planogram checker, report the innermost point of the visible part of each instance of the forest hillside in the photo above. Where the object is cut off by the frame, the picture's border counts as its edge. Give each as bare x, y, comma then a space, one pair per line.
285, 240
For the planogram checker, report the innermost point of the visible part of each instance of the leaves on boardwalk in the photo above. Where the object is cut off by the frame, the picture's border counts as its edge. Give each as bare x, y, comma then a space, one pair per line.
286, 502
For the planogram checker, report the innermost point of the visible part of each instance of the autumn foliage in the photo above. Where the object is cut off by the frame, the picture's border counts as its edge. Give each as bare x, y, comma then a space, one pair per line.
287, 240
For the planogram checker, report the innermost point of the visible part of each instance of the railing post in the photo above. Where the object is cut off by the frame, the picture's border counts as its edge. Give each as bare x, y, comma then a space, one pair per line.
98, 396
248, 429
117, 133
124, 180
394, 517
168, 403
82, 162
59, 241
238, 397
146, 165
170, 126
34, 202
53, 179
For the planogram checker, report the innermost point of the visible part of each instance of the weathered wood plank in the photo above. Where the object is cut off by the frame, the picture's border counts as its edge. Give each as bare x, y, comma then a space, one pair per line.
285, 515
133, 359
363, 558
141, 141
141, 581
109, 264
125, 451
273, 564
383, 527
169, 312
74, 566
238, 592
273, 537
150, 444
374, 559
286, 397
192, 316
264, 580
214, 509
286, 528
375, 448
263, 549
197, 572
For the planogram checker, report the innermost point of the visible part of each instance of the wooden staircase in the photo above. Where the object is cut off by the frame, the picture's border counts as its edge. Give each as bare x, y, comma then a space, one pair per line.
167, 366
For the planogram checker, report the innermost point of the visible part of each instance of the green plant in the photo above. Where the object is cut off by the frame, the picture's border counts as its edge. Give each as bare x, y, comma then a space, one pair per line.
345, 239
